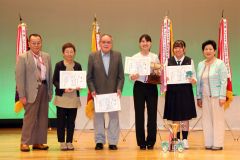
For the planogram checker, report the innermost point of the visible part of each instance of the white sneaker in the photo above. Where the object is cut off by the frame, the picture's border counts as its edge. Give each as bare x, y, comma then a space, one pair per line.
63, 146
70, 146
185, 143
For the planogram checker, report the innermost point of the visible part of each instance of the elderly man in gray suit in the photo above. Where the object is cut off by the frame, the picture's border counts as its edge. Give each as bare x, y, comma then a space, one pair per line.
105, 75
34, 86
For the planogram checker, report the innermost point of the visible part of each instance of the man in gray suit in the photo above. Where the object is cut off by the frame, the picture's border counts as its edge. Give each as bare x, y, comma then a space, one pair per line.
34, 86
105, 75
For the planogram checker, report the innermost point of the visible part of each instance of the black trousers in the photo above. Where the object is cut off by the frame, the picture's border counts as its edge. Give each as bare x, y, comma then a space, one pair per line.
145, 93
65, 118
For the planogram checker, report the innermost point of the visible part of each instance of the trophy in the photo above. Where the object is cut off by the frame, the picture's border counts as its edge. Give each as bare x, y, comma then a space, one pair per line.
172, 144
154, 77
173, 136
157, 67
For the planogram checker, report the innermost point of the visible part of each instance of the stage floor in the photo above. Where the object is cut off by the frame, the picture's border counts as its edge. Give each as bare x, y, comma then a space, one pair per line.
84, 148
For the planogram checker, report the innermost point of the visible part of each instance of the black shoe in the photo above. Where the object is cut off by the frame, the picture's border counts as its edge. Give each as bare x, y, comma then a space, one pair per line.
112, 147
150, 147
142, 147
99, 146
217, 148
208, 147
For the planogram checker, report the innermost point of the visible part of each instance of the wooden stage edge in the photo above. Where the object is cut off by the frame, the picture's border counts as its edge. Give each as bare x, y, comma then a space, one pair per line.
84, 147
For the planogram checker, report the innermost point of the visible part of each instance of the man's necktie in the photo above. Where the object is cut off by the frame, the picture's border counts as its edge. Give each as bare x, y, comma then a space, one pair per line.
38, 65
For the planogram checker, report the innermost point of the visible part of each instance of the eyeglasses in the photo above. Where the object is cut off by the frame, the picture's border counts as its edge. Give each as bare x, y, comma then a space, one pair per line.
35, 43
106, 42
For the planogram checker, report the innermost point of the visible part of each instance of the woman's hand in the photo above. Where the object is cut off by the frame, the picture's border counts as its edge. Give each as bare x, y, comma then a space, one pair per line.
192, 80
68, 90
221, 102
199, 103
119, 93
167, 78
78, 88
134, 76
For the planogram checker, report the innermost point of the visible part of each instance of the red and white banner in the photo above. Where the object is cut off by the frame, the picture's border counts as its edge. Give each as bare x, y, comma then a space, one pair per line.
22, 44
223, 54
21, 47
166, 42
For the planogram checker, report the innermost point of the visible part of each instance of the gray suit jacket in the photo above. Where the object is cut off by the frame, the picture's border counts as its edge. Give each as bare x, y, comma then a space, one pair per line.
27, 76
98, 80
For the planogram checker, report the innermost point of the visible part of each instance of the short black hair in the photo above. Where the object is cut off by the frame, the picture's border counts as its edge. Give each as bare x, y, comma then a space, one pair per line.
34, 35
209, 42
68, 45
146, 36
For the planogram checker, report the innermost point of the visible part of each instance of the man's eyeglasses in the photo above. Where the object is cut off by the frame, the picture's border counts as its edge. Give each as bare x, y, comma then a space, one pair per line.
106, 42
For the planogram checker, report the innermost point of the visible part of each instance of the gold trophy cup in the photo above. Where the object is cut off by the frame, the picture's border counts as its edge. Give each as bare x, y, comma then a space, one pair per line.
173, 140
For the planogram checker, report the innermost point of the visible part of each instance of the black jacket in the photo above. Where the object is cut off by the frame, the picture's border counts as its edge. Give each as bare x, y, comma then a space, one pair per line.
172, 61
56, 76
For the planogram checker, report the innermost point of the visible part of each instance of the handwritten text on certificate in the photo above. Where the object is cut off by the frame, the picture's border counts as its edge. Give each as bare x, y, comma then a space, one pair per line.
72, 79
107, 103
137, 65
179, 74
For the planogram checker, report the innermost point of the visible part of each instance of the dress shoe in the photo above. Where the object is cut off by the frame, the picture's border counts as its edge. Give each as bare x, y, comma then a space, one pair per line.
208, 147
217, 148
24, 148
150, 147
99, 146
112, 147
142, 147
40, 147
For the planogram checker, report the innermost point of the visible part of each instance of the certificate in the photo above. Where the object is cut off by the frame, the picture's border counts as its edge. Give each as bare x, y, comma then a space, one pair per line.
107, 103
137, 65
72, 79
179, 74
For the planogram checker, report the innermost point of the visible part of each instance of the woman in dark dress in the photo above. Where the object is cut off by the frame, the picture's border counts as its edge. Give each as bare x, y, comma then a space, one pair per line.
179, 99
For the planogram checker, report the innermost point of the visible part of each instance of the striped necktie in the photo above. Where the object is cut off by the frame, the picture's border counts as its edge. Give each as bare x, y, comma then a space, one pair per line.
39, 63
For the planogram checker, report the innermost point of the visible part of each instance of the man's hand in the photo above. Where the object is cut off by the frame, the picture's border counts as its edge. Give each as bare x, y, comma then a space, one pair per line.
93, 94
23, 100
